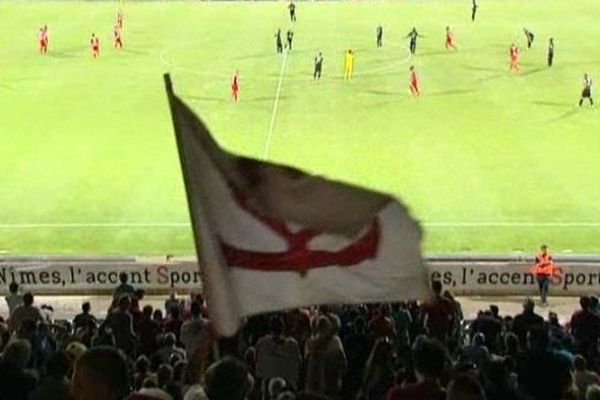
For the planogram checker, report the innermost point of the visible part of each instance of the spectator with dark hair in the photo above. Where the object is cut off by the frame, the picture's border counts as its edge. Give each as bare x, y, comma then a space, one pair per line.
583, 377
430, 361
142, 372
544, 374
491, 328
25, 312
83, 320
325, 360
585, 327
172, 303
381, 325
13, 299
148, 331
101, 373
465, 387
477, 352
55, 386
592, 393
15, 382
228, 379
438, 314
525, 321
195, 333
403, 322
120, 323
378, 375
124, 287
357, 350
278, 356
173, 323
169, 348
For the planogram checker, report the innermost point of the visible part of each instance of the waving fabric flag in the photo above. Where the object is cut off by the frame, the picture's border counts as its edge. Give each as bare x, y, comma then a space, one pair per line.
271, 237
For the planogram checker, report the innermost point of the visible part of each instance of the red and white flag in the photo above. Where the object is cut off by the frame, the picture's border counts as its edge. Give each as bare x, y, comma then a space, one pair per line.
271, 237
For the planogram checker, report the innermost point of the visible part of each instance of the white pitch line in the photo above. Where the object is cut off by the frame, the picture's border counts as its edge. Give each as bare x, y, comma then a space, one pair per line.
275, 105
127, 225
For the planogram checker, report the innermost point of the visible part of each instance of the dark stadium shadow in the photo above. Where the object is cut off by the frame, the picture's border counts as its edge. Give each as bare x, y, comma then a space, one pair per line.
452, 92
568, 114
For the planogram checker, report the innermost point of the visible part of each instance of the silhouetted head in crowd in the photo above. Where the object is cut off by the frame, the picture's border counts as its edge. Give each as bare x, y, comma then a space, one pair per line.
147, 311
276, 325
324, 327
169, 340
142, 364
495, 310
124, 302
592, 392
538, 339
465, 387
101, 373
13, 287
275, 387
528, 305
479, 339
157, 315
16, 355
28, 299
585, 302
228, 379
436, 286
429, 358
580, 363
512, 343
164, 375
123, 277
86, 307
195, 309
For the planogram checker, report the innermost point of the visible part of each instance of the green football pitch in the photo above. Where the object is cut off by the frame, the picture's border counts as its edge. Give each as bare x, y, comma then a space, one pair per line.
488, 160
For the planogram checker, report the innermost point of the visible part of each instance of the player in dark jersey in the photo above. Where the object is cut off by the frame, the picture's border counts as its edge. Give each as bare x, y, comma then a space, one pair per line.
292, 8
379, 33
278, 41
586, 93
290, 38
318, 66
550, 51
474, 10
235, 86
413, 35
117, 39
530, 36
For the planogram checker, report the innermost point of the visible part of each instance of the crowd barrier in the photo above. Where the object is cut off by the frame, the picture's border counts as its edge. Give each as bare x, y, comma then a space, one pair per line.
473, 275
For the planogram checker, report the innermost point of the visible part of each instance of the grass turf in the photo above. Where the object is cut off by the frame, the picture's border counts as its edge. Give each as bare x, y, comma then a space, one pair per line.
88, 142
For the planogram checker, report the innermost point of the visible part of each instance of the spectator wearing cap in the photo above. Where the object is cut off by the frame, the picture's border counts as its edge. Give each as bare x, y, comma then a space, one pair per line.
25, 312
13, 299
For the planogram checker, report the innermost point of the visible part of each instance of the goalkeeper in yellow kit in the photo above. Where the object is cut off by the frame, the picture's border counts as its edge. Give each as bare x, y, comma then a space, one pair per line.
348, 64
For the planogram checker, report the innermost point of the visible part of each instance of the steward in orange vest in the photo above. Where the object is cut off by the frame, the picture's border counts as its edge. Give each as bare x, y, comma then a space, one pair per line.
543, 271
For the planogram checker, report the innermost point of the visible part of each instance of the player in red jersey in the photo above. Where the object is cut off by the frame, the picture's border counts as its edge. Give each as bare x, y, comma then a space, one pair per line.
235, 86
514, 58
95, 45
414, 82
120, 19
43, 39
117, 37
450, 39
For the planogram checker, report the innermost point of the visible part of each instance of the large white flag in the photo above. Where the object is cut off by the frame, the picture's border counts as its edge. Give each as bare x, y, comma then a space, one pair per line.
271, 237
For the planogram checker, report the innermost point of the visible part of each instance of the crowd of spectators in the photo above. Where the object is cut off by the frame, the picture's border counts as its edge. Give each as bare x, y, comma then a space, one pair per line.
399, 351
